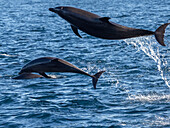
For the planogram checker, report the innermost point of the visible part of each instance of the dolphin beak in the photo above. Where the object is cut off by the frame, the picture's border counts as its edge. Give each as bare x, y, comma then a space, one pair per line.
20, 72
52, 9
57, 9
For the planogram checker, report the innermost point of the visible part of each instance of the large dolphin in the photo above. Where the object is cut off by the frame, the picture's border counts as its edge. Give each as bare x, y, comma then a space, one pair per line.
101, 27
52, 64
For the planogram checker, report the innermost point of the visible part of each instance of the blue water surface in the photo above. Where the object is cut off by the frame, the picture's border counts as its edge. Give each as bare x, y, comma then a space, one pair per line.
132, 93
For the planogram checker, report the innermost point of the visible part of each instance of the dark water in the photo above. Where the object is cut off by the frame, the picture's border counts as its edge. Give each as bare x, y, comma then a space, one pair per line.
133, 92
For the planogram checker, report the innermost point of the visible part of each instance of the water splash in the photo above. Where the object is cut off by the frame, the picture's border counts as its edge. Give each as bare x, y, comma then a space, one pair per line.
150, 97
57, 76
151, 49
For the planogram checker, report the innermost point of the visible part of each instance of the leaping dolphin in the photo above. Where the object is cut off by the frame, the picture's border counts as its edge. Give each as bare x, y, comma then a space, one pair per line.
52, 64
101, 27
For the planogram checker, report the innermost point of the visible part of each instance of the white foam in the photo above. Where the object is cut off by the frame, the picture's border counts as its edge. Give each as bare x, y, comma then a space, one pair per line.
150, 97
7, 55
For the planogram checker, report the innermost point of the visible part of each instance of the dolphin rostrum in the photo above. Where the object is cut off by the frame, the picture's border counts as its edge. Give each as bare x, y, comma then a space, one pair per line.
52, 64
101, 27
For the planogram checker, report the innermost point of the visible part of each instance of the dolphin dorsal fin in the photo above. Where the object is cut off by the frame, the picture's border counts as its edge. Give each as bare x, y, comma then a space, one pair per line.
54, 60
105, 19
59, 61
75, 30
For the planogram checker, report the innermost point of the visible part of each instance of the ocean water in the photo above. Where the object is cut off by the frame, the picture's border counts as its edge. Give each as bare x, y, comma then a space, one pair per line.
134, 92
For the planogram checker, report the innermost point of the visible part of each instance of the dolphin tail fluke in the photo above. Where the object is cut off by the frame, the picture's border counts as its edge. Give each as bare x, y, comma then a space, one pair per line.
96, 77
27, 76
159, 34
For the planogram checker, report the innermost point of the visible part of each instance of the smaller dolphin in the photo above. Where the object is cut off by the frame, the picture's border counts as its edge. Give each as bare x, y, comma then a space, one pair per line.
101, 27
52, 64
27, 76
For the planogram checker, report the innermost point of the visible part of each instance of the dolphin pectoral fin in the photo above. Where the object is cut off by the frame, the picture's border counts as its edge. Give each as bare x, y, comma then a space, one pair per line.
75, 30
105, 19
45, 75
159, 34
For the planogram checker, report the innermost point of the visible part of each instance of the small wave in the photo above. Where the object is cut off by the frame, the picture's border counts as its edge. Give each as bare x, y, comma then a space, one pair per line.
150, 97
158, 121
87, 103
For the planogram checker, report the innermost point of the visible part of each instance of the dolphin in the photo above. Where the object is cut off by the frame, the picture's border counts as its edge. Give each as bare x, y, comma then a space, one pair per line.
101, 27
52, 64
27, 76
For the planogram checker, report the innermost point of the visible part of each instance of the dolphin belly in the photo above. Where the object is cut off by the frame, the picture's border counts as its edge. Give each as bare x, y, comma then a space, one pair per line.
109, 31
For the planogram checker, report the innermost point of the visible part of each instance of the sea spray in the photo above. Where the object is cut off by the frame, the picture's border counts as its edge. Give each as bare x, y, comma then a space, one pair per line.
150, 48
151, 97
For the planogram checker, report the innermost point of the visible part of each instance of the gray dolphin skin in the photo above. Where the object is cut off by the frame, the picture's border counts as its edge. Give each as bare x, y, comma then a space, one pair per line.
101, 27
52, 64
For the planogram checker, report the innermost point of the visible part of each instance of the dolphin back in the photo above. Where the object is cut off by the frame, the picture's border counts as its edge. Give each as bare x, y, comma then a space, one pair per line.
64, 66
38, 61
